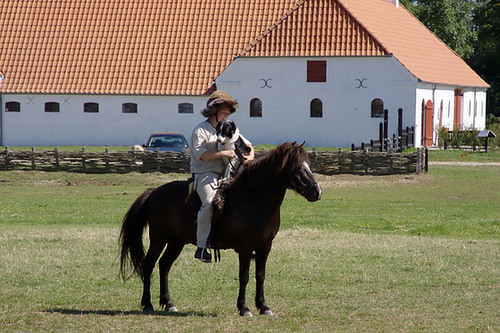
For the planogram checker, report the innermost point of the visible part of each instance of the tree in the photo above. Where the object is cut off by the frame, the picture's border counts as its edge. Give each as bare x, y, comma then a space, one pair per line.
486, 58
450, 20
472, 29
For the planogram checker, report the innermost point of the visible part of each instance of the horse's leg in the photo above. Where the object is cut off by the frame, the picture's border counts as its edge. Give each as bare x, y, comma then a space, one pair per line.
260, 275
148, 265
171, 254
244, 272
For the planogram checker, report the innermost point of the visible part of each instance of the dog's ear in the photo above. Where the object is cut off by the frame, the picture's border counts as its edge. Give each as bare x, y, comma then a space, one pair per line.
218, 127
233, 125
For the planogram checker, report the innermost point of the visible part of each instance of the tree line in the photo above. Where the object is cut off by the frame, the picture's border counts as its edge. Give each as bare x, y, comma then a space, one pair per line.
472, 29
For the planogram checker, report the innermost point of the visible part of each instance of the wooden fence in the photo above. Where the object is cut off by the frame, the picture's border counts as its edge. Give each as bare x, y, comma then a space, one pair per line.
328, 163
369, 163
397, 143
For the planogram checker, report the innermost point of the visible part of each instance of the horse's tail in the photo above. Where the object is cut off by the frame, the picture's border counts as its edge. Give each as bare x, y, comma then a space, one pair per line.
132, 248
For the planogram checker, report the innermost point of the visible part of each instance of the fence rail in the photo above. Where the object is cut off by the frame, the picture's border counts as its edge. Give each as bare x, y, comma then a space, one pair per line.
328, 163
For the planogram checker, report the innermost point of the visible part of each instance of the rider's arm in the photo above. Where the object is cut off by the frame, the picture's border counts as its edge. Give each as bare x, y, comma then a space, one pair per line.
212, 155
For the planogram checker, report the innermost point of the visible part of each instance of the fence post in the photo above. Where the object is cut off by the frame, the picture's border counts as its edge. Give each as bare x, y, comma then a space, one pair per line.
83, 159
426, 160
106, 163
418, 160
6, 158
56, 155
32, 158
400, 129
386, 128
381, 136
340, 159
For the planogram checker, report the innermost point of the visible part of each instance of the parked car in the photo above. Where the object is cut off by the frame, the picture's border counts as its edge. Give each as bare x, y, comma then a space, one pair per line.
167, 141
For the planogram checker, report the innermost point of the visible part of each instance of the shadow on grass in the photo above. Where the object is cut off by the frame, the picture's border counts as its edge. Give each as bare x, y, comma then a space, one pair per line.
129, 313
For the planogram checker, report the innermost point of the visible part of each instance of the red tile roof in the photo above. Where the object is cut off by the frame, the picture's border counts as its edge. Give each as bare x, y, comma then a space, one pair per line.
169, 47
416, 47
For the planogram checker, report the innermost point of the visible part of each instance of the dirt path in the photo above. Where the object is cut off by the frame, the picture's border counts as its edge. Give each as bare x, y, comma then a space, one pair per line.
466, 163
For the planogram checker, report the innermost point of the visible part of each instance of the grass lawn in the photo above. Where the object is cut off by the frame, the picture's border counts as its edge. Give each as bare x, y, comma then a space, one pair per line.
457, 155
412, 253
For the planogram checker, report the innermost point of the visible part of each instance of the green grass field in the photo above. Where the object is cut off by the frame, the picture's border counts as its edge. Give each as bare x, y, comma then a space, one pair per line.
412, 253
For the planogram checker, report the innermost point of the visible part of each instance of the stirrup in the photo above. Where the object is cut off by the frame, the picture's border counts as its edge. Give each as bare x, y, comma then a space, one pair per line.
203, 255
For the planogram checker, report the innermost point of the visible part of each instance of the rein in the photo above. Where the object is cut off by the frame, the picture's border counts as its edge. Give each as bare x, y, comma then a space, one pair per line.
242, 159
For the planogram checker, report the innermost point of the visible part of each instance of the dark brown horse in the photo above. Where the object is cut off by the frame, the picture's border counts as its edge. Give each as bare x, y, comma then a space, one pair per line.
248, 221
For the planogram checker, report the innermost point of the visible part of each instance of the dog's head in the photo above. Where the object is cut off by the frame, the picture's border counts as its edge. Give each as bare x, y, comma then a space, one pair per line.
227, 132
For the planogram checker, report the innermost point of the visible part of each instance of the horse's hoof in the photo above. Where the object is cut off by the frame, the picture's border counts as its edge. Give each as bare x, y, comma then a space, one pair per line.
171, 308
246, 313
266, 312
148, 309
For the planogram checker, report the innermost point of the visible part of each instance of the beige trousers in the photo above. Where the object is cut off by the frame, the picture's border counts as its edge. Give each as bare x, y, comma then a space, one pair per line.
205, 185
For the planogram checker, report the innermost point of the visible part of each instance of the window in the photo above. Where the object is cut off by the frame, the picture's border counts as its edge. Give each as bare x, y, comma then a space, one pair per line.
129, 108
316, 108
316, 71
255, 108
185, 108
52, 107
377, 108
12, 107
91, 107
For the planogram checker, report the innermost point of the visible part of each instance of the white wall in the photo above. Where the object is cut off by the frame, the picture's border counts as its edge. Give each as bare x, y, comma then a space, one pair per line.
474, 109
445, 96
346, 105
71, 126
280, 83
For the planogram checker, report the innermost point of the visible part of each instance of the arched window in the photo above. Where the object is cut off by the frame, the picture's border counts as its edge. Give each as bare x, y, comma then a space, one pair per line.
129, 108
255, 108
52, 107
316, 108
12, 107
91, 107
185, 108
377, 108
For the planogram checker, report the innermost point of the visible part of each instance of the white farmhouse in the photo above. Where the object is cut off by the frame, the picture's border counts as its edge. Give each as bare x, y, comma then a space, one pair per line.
106, 72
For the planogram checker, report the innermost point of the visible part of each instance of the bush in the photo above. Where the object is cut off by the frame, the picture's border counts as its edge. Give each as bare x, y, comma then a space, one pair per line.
442, 133
460, 138
493, 124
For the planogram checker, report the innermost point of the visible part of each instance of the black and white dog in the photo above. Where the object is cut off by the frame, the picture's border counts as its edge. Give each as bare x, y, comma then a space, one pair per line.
229, 138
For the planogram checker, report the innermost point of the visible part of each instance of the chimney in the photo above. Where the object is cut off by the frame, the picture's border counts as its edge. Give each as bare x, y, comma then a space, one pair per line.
396, 3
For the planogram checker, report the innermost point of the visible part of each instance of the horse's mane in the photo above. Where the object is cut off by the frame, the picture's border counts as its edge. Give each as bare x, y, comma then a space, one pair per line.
284, 156
263, 169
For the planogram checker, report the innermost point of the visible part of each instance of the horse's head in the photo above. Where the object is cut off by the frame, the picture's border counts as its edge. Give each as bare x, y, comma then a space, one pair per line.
298, 175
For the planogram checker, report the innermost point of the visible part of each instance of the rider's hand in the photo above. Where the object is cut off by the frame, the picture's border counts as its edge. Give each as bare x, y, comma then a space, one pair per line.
228, 153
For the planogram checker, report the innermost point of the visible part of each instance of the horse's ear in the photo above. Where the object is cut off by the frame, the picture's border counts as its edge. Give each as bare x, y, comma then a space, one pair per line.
303, 145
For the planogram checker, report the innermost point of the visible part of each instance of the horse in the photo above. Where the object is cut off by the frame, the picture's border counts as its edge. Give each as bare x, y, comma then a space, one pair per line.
246, 219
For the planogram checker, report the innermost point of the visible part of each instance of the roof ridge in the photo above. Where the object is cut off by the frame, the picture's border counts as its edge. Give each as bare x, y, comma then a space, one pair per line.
355, 18
272, 28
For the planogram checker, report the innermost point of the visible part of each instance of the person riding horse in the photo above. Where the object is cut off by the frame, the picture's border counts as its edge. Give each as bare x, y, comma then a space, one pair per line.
207, 165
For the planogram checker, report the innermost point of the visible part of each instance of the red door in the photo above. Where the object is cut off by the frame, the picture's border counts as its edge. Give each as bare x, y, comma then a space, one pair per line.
428, 123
